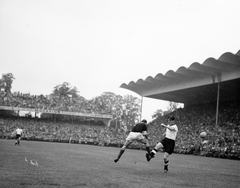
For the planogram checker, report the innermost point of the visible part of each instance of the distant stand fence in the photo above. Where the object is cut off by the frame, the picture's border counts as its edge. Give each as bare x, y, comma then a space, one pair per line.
106, 118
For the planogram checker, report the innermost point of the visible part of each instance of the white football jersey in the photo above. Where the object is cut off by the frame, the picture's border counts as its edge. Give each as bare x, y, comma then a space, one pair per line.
19, 131
172, 134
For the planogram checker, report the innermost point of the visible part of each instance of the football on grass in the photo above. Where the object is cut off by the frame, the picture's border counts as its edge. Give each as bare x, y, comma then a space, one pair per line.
203, 134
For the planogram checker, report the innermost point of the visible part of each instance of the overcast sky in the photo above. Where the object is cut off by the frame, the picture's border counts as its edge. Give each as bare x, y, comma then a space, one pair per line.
96, 45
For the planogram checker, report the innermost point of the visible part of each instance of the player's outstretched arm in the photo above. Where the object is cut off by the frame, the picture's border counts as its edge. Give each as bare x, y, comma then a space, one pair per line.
168, 127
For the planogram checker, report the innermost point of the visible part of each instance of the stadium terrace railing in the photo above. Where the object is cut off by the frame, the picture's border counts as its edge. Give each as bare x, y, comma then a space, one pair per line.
103, 116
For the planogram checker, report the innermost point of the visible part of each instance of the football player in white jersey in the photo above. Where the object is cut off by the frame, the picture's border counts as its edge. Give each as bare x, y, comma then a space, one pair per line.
168, 143
18, 133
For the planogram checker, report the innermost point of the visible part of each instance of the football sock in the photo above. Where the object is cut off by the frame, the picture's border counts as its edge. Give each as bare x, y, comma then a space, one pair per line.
153, 152
119, 155
148, 149
166, 165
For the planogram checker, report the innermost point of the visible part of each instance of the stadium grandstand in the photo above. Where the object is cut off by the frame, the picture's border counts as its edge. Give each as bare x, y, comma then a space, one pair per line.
53, 119
210, 93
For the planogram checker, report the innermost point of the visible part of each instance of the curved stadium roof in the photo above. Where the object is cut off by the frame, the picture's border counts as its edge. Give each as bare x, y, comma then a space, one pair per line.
196, 84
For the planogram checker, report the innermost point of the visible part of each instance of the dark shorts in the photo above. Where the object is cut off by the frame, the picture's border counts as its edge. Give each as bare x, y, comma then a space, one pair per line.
168, 145
18, 136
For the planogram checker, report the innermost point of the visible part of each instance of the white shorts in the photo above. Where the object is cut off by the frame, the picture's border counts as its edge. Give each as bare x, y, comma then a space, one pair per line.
135, 136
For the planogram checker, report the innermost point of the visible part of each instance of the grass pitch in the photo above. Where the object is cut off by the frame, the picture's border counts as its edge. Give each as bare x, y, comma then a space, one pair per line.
46, 164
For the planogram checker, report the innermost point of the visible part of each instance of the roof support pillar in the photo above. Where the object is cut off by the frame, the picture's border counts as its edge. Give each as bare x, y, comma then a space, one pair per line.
141, 108
219, 77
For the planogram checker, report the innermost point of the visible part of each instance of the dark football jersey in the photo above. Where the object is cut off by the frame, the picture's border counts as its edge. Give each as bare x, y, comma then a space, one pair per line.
139, 127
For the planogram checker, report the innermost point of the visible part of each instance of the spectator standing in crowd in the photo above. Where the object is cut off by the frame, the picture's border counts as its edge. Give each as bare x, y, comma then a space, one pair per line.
18, 133
138, 133
168, 143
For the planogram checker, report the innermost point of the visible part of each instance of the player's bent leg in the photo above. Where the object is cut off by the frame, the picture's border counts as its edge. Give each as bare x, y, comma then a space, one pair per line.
158, 146
147, 145
119, 155
151, 155
166, 161
155, 150
122, 150
166, 165
16, 140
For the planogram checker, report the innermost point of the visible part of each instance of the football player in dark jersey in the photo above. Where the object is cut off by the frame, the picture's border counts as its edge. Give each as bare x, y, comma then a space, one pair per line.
138, 133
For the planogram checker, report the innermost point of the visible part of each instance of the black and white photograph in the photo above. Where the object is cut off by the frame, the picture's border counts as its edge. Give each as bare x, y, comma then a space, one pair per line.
119, 93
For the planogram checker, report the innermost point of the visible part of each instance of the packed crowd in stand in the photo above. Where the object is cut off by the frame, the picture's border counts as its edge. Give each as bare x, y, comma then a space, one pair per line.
60, 131
223, 139
50, 102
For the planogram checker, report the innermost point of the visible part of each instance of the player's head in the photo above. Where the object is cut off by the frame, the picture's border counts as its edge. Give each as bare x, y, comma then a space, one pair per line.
144, 121
171, 118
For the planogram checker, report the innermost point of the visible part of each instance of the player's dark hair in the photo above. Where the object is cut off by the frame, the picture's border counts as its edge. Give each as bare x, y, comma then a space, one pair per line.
171, 118
144, 121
